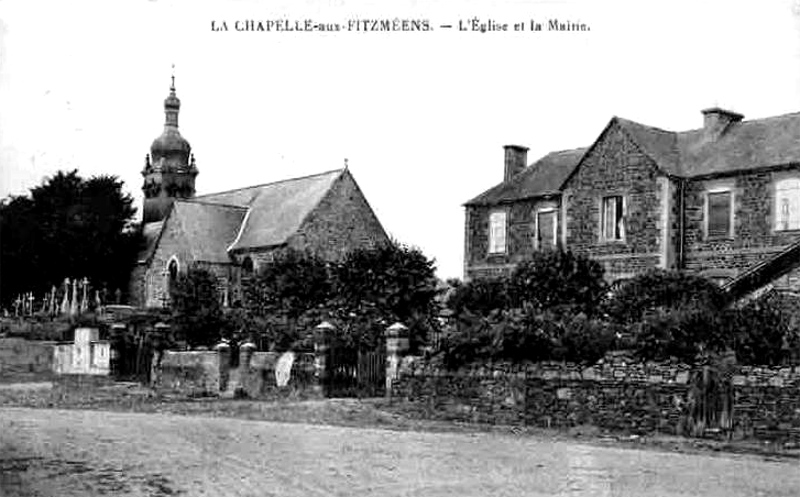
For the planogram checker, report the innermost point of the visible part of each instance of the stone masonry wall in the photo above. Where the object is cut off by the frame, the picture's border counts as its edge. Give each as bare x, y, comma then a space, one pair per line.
201, 373
614, 394
342, 221
19, 356
520, 236
194, 373
754, 236
173, 243
616, 166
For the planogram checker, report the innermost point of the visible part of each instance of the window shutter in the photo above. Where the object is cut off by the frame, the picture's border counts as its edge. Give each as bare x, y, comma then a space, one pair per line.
719, 214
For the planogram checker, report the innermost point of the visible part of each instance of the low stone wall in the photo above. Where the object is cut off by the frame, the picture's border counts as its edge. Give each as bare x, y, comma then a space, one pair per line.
190, 372
20, 357
257, 377
615, 394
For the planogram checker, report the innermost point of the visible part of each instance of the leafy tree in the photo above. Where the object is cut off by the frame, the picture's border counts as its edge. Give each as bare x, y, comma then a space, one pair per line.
554, 278
67, 227
385, 284
196, 308
292, 284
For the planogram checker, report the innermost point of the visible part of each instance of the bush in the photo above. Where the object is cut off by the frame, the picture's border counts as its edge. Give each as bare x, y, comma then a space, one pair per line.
760, 333
528, 334
554, 278
196, 308
481, 296
684, 334
658, 290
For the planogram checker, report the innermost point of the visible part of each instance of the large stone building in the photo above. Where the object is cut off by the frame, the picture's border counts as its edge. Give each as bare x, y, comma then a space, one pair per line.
238, 231
722, 201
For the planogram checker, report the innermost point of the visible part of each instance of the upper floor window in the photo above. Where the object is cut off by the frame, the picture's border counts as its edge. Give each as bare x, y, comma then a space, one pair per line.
612, 222
497, 232
719, 214
787, 204
546, 228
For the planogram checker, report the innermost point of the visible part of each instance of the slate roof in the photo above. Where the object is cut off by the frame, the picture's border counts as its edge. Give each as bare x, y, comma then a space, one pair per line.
252, 217
745, 145
151, 232
276, 210
209, 228
543, 177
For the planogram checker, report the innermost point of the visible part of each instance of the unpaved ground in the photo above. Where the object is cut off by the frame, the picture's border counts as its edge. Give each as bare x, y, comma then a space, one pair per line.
76, 452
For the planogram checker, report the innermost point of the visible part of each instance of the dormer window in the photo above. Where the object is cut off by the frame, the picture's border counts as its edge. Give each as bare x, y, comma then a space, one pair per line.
497, 232
787, 204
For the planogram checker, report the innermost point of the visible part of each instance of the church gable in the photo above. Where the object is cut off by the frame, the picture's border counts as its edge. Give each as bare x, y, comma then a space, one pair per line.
342, 221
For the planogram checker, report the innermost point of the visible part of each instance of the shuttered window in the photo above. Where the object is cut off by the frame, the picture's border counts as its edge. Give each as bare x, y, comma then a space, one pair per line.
720, 214
612, 218
497, 232
546, 228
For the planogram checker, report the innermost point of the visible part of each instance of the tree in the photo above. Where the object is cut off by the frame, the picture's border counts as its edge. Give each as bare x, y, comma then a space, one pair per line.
384, 284
67, 227
196, 308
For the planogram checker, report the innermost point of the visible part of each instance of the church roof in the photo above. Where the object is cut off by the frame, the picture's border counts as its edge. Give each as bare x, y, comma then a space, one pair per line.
275, 211
151, 232
209, 228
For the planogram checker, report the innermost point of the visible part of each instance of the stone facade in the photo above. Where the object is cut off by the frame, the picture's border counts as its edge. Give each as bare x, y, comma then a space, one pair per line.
343, 220
616, 167
664, 181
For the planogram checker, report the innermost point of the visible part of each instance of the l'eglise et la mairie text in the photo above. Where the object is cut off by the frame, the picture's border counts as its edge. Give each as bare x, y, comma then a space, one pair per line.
488, 26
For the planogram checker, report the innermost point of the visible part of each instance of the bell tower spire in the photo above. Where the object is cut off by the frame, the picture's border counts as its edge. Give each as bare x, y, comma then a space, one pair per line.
169, 171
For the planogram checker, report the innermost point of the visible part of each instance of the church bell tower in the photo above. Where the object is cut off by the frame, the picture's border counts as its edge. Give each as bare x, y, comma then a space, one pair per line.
169, 170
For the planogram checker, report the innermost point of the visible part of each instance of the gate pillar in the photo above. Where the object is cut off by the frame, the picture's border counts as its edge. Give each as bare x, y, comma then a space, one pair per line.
323, 334
396, 345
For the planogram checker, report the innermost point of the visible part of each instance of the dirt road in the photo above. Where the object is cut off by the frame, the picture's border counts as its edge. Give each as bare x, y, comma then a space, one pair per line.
82, 453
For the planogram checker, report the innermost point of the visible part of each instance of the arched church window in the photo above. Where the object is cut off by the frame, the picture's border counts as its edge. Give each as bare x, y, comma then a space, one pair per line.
172, 271
247, 266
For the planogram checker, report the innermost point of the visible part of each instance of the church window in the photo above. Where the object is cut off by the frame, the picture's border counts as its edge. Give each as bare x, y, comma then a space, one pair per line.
247, 266
172, 271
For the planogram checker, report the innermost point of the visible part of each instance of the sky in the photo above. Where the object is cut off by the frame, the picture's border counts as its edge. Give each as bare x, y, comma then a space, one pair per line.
421, 117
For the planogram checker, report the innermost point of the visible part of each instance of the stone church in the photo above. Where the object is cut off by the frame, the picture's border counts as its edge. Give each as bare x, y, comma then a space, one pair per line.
234, 233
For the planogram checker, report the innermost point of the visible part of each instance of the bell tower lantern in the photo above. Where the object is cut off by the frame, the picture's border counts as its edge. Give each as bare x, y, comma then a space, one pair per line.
169, 170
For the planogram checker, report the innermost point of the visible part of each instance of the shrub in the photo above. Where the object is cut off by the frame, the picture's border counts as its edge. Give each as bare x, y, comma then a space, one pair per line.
657, 290
760, 333
554, 278
196, 308
680, 333
481, 296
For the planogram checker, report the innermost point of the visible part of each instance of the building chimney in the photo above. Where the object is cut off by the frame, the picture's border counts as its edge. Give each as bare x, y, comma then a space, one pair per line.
716, 121
516, 160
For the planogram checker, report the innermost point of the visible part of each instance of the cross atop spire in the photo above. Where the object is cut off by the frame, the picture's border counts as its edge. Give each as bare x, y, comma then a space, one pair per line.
172, 86
345, 163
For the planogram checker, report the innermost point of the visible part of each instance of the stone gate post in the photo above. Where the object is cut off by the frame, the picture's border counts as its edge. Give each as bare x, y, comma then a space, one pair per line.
396, 345
323, 333
224, 357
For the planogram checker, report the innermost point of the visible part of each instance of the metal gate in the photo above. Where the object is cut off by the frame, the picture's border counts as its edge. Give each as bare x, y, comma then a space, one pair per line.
355, 373
132, 357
